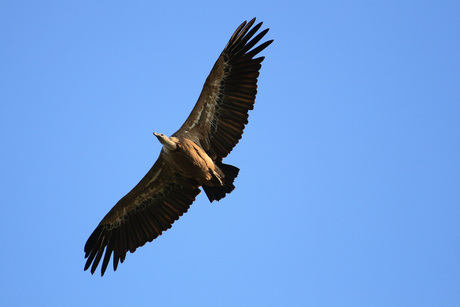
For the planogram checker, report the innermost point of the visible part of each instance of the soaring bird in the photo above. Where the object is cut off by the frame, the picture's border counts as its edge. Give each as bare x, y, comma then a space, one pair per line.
191, 158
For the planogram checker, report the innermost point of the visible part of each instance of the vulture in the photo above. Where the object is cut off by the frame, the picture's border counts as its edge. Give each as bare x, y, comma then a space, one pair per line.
189, 159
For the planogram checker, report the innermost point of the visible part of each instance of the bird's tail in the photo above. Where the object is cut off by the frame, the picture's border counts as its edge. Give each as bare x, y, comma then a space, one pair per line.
219, 192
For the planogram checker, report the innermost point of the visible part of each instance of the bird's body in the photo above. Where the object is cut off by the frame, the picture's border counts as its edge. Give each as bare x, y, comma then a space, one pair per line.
191, 161
191, 158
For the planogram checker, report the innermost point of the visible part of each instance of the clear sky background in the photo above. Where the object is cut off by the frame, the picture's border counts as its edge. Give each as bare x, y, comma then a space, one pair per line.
349, 189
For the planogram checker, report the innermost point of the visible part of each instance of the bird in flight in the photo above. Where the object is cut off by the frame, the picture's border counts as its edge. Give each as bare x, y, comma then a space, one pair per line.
191, 158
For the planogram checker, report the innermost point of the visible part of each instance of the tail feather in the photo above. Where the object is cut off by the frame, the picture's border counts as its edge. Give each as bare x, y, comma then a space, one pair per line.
219, 192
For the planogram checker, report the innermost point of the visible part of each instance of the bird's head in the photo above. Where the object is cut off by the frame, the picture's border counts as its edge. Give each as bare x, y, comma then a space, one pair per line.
167, 142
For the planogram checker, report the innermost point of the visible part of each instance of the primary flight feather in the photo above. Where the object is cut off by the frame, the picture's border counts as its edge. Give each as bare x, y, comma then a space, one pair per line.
191, 158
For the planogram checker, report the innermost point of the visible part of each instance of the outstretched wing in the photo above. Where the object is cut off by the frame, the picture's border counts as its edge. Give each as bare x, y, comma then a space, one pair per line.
158, 200
218, 119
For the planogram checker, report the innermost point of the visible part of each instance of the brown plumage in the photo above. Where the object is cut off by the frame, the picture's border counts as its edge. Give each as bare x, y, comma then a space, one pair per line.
190, 158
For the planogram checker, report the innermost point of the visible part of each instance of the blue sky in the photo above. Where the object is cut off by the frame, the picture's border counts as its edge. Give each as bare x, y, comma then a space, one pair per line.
348, 193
